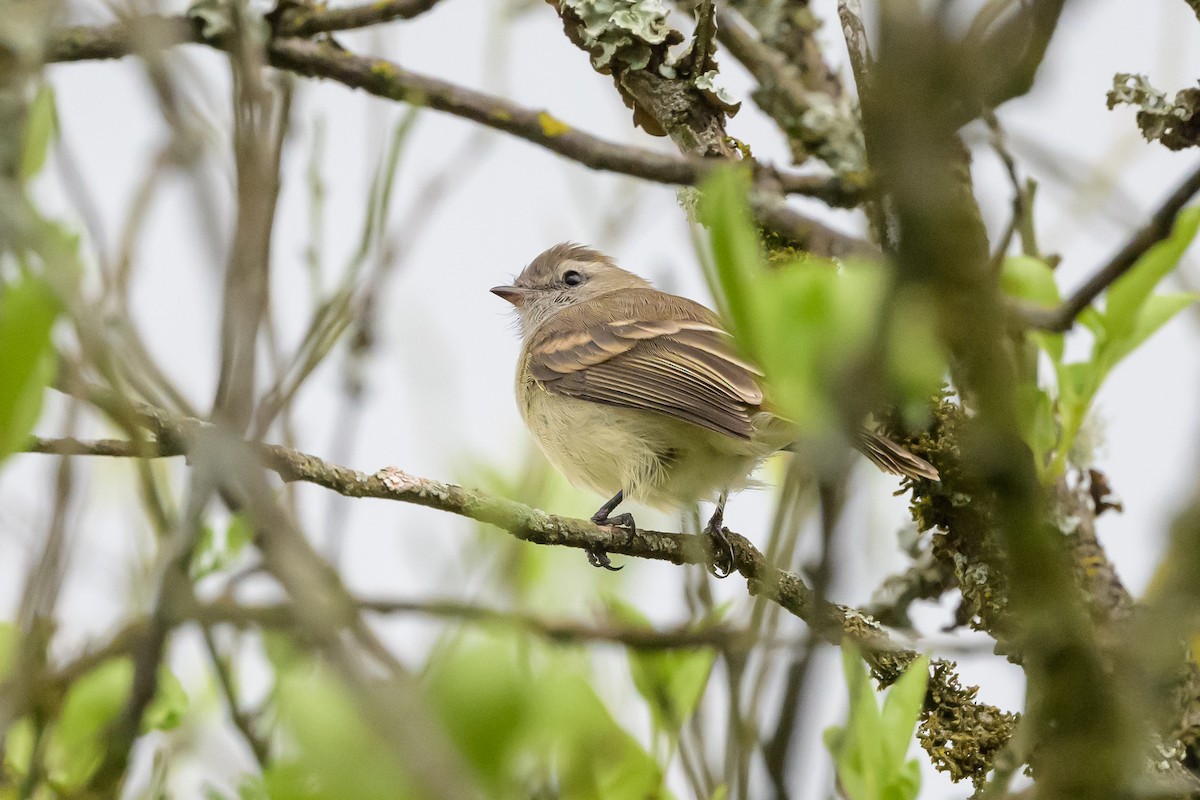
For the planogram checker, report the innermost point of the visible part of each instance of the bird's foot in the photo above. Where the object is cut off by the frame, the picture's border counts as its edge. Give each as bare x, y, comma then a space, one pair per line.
723, 564
597, 556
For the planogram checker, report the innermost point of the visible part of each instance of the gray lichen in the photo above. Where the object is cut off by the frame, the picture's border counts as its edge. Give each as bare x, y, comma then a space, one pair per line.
621, 34
706, 83
1173, 122
830, 125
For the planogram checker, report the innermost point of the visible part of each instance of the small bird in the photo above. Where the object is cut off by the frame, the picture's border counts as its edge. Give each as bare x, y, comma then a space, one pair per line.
639, 394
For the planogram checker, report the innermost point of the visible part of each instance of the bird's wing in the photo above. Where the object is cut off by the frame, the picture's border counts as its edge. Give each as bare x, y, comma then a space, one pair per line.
638, 349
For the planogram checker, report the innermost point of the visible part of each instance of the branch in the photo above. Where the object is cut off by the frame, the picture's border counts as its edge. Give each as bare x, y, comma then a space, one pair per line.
387, 79
956, 711
557, 631
306, 21
1158, 228
123, 38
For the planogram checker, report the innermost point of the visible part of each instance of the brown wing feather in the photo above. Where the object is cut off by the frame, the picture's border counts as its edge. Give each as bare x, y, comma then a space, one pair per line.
891, 457
641, 350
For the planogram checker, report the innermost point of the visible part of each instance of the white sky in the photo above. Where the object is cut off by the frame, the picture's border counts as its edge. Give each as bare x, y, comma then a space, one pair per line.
439, 394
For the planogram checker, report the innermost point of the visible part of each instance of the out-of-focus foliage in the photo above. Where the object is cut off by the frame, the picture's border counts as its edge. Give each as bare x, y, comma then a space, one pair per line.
28, 303
216, 552
670, 681
523, 716
73, 743
870, 750
1051, 418
808, 322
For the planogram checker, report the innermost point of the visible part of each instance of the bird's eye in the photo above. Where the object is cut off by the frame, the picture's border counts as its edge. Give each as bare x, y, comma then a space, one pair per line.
572, 278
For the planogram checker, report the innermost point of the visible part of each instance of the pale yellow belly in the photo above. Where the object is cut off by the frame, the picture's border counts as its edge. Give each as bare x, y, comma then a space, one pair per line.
653, 458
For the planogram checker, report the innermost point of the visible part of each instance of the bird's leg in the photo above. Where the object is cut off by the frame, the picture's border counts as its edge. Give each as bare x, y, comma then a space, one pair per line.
596, 555
723, 564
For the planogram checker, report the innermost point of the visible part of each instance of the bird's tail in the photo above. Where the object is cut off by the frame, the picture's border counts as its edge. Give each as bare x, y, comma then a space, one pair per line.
891, 457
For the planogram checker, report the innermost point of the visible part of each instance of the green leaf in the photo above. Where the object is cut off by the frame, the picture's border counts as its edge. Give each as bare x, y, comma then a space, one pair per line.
10, 637
583, 749
28, 309
902, 708
169, 706
1125, 297
1029, 279
215, 553
1156, 311
40, 127
335, 754
91, 706
1035, 414
485, 712
1032, 280
916, 357
869, 750
737, 256
1077, 383
670, 681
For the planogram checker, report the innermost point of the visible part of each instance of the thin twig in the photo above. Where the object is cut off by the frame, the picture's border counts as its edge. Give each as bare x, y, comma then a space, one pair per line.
1158, 228
309, 20
243, 722
557, 631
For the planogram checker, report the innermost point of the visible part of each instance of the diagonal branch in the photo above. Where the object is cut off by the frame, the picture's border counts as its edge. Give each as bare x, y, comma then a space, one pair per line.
1158, 228
387, 79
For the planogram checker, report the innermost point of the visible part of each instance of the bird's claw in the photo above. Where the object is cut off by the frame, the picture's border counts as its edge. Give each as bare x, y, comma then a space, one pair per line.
597, 557
723, 563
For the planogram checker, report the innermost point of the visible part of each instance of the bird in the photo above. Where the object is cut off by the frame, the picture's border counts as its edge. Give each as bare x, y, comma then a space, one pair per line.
642, 395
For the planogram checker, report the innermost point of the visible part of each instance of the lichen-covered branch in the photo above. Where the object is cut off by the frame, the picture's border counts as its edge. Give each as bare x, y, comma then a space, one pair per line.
978, 728
632, 41
803, 96
386, 79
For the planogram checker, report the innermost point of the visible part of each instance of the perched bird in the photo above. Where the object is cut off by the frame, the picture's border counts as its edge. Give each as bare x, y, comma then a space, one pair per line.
640, 394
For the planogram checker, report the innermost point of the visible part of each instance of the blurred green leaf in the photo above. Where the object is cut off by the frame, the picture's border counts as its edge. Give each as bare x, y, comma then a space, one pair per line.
10, 637
28, 309
591, 757
916, 357
806, 321
1156, 311
1093, 320
902, 709
1125, 297
334, 754
169, 706
523, 713
1032, 280
19, 747
92, 704
215, 553
670, 681
1029, 279
869, 750
40, 127
1035, 414
1077, 383
735, 245
485, 711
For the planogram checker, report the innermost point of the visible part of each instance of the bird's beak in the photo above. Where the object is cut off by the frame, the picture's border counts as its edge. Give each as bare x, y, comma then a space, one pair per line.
513, 294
